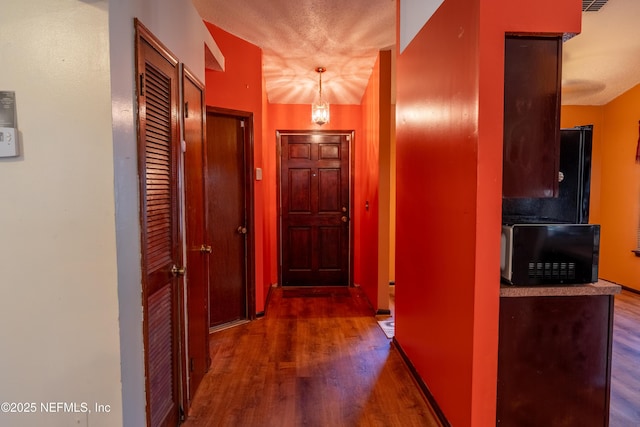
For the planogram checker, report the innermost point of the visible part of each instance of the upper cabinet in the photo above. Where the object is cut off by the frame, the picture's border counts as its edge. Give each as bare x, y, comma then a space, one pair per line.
532, 78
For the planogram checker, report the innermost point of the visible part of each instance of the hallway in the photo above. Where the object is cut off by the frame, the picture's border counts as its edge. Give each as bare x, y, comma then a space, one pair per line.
315, 359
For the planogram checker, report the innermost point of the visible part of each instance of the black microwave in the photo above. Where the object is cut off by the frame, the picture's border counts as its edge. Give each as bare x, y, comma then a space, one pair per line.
546, 254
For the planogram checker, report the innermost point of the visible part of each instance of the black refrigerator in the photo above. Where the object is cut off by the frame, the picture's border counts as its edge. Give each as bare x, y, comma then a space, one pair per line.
572, 204
550, 240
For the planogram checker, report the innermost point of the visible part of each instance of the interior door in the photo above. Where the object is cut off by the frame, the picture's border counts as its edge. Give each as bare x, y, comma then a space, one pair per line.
158, 155
198, 249
315, 206
228, 206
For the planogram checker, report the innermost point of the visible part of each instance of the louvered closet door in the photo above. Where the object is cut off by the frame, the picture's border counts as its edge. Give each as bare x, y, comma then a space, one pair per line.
158, 155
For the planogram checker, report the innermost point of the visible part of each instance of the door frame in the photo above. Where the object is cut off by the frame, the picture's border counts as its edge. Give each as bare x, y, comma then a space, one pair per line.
189, 300
250, 258
351, 135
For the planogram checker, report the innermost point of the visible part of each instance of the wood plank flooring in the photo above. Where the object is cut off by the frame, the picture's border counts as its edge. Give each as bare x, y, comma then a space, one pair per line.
320, 361
625, 364
312, 361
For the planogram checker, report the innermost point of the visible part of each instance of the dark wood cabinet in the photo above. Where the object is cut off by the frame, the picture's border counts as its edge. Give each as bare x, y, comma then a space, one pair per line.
532, 79
554, 361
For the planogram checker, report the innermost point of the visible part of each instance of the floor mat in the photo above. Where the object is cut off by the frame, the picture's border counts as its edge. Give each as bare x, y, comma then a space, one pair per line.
316, 292
388, 326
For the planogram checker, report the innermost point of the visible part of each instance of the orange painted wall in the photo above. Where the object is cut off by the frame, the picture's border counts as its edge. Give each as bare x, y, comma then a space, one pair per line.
367, 191
298, 117
240, 87
449, 162
617, 197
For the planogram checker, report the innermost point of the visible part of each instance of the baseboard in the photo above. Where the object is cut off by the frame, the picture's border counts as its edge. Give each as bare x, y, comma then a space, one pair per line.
259, 314
632, 290
423, 387
383, 312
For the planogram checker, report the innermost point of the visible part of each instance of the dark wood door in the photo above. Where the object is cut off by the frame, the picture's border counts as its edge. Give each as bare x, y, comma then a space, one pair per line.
198, 248
158, 155
531, 151
314, 191
228, 227
554, 361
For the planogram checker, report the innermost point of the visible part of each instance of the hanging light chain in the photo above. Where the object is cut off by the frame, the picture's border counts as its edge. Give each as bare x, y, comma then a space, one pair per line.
320, 70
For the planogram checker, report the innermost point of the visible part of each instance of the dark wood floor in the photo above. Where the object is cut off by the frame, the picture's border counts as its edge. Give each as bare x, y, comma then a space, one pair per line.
625, 367
313, 360
320, 361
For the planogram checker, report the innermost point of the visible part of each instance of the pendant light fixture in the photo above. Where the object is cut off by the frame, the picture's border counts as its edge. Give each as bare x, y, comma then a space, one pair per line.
320, 109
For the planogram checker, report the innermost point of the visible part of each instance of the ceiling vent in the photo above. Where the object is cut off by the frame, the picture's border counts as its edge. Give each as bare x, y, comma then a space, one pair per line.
593, 5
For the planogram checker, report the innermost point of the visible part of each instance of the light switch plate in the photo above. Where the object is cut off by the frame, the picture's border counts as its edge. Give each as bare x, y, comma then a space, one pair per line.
258, 174
8, 142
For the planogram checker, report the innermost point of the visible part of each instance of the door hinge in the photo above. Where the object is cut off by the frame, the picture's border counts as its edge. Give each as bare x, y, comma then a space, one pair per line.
242, 123
141, 84
191, 364
186, 110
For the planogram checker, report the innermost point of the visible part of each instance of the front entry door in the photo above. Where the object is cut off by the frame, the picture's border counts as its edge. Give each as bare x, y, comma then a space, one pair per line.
228, 223
315, 196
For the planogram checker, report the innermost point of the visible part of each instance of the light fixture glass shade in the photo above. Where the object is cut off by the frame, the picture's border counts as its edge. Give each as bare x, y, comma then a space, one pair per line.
319, 109
320, 112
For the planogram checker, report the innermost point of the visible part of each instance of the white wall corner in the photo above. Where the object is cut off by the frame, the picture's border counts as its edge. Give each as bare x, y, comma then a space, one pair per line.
413, 15
213, 58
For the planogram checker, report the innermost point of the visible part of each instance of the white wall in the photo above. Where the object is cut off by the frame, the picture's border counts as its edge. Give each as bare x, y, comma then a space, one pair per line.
413, 15
178, 26
58, 287
70, 295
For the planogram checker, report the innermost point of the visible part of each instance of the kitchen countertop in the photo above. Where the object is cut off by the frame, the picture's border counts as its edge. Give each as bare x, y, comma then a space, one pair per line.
601, 287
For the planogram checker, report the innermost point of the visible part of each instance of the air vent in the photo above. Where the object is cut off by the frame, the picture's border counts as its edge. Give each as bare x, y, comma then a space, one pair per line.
560, 271
593, 5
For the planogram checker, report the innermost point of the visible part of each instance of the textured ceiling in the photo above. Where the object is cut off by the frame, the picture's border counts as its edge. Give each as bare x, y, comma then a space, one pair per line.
603, 61
344, 36
297, 36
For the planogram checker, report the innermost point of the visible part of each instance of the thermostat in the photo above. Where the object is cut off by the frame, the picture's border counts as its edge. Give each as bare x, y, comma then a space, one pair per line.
8, 131
8, 143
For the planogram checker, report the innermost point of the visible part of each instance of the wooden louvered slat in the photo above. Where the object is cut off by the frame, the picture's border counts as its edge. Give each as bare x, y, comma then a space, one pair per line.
160, 352
158, 139
158, 170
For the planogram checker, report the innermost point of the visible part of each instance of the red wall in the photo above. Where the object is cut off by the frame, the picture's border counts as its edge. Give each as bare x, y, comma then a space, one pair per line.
240, 87
298, 117
373, 157
449, 162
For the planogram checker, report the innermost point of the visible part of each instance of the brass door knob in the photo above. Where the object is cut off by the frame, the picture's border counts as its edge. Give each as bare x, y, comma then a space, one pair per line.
205, 249
344, 218
177, 271
242, 230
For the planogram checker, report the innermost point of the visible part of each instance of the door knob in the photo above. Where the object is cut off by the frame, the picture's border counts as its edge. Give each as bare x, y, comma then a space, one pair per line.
242, 230
177, 271
344, 218
205, 249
